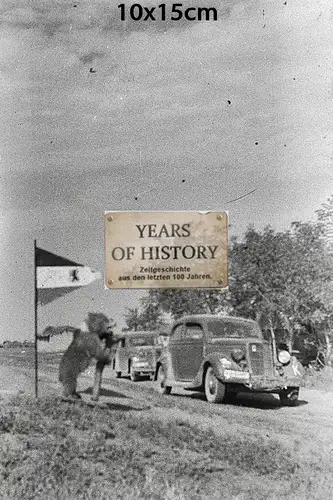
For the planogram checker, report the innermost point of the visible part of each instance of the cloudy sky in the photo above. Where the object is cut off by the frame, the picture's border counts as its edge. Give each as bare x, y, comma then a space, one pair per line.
97, 114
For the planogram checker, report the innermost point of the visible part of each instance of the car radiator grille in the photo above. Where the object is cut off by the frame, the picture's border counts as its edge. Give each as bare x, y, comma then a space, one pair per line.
261, 360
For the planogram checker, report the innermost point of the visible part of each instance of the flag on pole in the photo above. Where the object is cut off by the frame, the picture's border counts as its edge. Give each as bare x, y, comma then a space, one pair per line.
57, 276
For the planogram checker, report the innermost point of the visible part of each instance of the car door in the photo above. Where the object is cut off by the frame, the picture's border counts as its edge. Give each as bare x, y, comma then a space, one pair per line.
191, 351
175, 348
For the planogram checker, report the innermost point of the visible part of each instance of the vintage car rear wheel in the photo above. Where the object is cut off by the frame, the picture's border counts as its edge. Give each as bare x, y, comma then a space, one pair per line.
161, 377
215, 390
289, 396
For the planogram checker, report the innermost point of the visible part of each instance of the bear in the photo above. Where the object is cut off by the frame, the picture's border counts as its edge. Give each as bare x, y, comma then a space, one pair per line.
93, 340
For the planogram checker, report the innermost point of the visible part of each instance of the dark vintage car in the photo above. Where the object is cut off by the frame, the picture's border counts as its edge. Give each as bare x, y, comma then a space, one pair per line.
222, 356
135, 354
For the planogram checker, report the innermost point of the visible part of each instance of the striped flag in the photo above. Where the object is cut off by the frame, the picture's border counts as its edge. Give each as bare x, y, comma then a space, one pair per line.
56, 276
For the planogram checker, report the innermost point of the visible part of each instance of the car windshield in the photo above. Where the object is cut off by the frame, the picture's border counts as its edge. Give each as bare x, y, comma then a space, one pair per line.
142, 341
228, 328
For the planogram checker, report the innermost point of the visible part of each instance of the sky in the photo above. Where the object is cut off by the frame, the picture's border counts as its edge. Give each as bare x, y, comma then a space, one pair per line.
100, 114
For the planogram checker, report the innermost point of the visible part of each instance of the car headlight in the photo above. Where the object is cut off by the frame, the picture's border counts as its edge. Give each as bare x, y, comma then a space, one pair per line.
284, 357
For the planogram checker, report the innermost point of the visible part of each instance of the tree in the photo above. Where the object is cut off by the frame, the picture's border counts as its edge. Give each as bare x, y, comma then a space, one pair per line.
147, 317
132, 319
175, 302
193, 301
325, 220
277, 278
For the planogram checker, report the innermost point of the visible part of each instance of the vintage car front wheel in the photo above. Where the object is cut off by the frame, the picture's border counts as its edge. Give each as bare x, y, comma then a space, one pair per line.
215, 390
289, 396
161, 377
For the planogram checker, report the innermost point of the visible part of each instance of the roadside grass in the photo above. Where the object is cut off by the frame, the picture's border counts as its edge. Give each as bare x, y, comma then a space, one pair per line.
25, 358
55, 450
319, 379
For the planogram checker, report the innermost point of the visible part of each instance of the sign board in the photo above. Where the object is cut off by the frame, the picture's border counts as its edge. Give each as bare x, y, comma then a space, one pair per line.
166, 249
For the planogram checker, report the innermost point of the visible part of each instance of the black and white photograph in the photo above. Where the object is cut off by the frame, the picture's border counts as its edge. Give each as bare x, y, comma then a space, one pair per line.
166, 223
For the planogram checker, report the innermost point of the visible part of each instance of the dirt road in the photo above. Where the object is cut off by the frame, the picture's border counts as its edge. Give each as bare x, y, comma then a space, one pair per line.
305, 428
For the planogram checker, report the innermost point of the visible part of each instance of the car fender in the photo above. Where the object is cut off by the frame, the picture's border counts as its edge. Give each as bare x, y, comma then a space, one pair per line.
165, 360
219, 363
294, 368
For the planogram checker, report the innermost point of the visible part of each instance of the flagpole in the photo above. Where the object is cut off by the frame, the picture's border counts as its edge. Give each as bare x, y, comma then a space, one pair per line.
36, 319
